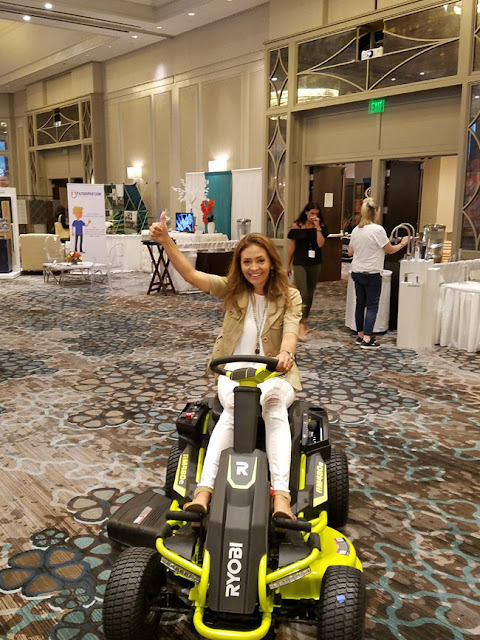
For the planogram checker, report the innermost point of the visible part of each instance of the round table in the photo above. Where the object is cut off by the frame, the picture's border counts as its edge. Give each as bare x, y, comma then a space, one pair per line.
458, 320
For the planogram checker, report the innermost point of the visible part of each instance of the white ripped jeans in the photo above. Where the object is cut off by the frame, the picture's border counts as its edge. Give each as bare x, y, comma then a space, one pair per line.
277, 395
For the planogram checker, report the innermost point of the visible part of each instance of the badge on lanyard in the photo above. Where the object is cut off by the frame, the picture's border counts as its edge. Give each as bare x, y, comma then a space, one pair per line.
311, 253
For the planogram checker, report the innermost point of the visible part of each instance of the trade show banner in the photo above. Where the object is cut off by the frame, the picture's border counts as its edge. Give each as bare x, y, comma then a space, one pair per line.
247, 199
194, 194
237, 195
86, 212
220, 190
9, 237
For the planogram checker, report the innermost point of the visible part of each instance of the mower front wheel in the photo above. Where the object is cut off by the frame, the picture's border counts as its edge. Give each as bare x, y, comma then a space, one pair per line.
134, 584
341, 609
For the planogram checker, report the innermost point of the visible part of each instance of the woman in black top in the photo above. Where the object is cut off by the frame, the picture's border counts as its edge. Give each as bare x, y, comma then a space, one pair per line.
307, 237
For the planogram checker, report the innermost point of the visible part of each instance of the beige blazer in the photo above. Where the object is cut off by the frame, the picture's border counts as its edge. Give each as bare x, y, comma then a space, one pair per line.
279, 320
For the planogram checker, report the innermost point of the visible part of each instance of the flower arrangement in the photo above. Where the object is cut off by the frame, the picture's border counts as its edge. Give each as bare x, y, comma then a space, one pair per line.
207, 210
197, 191
74, 257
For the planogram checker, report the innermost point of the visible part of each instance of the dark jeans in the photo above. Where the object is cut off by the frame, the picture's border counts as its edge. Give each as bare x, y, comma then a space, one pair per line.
367, 288
306, 279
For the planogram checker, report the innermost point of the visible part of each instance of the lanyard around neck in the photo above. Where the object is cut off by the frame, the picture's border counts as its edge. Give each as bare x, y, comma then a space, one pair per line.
260, 324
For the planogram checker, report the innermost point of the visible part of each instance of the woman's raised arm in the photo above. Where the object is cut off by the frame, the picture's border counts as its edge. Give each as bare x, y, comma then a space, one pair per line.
159, 233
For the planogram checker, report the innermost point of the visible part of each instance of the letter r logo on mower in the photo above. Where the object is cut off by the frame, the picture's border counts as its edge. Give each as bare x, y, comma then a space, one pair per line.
242, 472
242, 468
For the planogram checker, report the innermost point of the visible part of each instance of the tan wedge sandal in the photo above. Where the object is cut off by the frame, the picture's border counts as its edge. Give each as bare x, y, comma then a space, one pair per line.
200, 502
281, 505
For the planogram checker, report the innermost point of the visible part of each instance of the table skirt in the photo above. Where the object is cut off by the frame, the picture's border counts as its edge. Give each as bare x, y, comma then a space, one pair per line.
458, 320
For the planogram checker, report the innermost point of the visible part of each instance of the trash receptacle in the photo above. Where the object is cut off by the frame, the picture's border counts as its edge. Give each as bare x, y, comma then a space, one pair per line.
433, 239
243, 227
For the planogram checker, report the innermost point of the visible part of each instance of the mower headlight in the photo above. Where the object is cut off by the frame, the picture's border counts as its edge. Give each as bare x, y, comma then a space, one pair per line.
180, 570
290, 578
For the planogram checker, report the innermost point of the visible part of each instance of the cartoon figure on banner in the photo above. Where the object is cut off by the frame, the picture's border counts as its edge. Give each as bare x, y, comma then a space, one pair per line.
78, 225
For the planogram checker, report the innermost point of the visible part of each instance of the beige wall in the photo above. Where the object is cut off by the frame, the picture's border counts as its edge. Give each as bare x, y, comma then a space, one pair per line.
438, 191
20, 177
59, 163
446, 191
4, 105
188, 125
163, 149
286, 17
344, 9
349, 133
191, 52
136, 125
174, 124
79, 82
171, 107
222, 106
116, 162
429, 201
422, 123
410, 126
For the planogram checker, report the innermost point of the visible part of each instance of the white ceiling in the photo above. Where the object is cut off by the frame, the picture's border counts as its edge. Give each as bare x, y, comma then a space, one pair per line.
75, 32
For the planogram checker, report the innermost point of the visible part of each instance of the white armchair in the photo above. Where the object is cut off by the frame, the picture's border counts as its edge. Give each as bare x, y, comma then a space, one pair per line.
32, 250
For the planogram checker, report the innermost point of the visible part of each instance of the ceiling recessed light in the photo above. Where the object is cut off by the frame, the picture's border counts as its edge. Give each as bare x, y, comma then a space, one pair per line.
27, 18
422, 73
191, 13
48, 5
393, 79
159, 27
134, 36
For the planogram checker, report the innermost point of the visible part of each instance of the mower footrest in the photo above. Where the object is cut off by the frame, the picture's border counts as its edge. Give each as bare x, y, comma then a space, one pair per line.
183, 542
293, 549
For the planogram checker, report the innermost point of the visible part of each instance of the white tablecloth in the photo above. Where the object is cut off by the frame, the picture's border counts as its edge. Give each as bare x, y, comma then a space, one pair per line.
184, 239
189, 244
383, 315
181, 285
458, 323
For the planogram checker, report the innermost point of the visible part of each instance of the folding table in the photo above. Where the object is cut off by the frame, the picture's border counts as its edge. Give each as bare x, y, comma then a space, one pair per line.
161, 279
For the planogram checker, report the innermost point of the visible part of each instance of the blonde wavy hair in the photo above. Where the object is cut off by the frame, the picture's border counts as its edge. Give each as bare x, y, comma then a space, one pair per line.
277, 283
368, 212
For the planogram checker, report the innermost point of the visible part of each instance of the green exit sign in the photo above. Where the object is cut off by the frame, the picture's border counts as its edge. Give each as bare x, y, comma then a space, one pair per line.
376, 106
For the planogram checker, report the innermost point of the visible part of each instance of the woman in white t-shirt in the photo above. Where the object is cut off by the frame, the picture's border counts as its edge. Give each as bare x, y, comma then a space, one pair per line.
368, 246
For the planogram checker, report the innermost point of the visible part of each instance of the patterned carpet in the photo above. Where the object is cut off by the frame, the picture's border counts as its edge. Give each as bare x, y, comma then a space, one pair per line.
91, 380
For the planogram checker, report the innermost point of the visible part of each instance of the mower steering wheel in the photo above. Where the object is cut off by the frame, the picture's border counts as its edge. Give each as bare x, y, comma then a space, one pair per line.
271, 363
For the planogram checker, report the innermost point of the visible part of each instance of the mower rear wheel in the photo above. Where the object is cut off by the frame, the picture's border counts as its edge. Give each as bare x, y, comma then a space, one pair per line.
172, 465
338, 488
135, 582
341, 609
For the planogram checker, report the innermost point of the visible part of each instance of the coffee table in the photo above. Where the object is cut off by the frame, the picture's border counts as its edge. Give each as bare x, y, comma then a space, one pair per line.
59, 270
